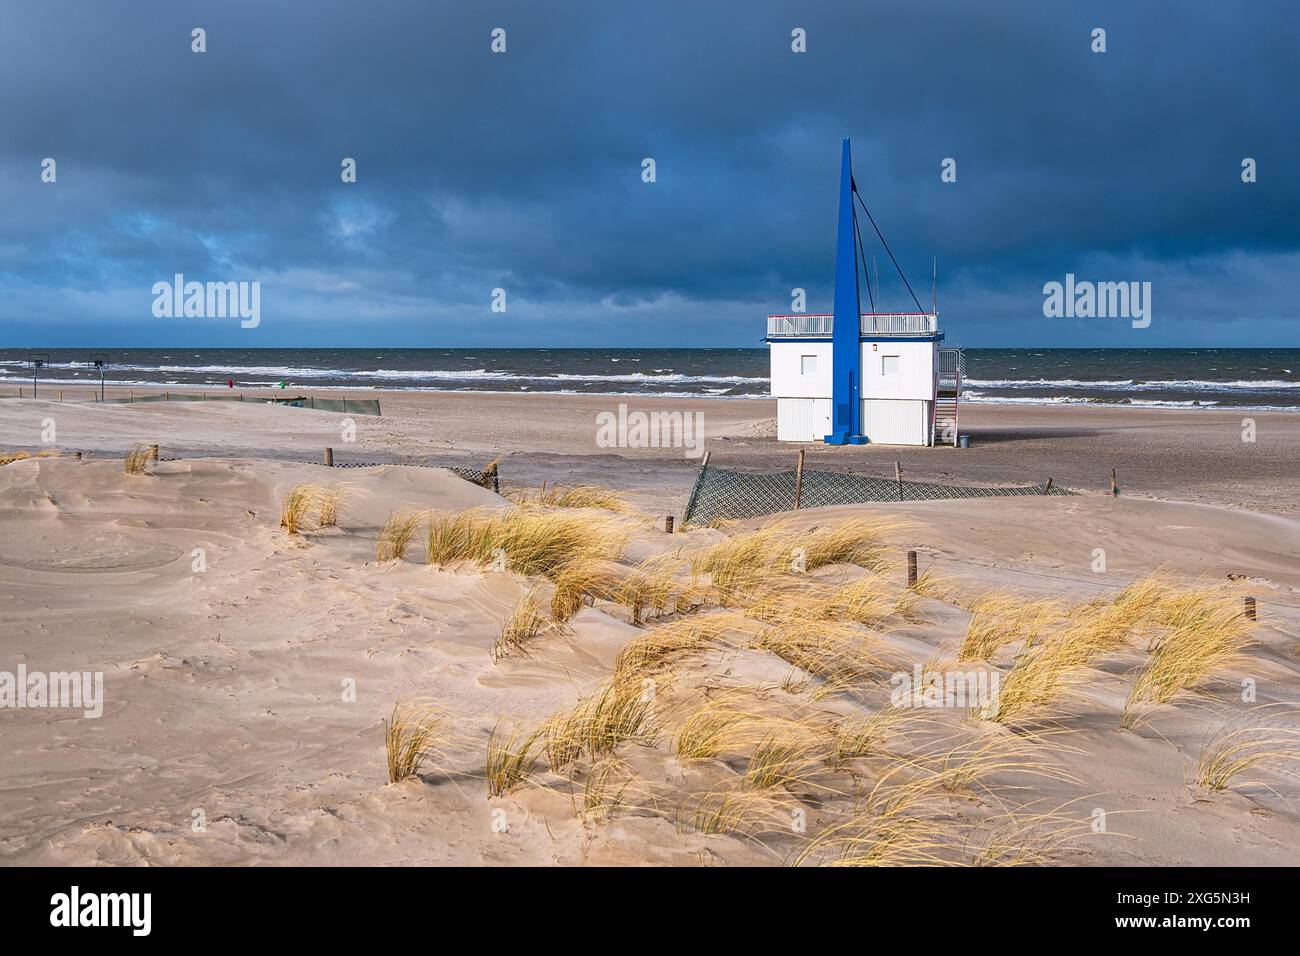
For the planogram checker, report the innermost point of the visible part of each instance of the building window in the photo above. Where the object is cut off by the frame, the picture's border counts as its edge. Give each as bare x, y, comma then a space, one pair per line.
807, 365
888, 365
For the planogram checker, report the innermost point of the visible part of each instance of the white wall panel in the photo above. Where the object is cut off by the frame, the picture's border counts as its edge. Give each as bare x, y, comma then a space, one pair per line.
899, 421
788, 380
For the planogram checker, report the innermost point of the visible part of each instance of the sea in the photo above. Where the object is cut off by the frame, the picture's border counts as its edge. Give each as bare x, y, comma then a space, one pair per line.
1170, 378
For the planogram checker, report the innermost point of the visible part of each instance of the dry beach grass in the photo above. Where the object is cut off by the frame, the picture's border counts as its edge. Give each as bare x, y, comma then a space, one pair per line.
619, 695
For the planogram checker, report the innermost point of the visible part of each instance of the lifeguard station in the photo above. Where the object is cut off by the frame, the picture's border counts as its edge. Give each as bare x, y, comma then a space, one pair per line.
854, 377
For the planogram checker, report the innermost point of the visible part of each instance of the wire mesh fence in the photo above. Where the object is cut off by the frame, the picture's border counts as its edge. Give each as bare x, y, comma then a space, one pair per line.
350, 406
720, 494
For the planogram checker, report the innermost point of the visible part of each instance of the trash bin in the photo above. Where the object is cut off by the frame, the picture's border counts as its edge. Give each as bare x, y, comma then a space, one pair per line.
963, 441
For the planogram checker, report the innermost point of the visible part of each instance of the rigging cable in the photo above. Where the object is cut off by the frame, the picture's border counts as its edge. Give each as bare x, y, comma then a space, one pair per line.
862, 254
887, 249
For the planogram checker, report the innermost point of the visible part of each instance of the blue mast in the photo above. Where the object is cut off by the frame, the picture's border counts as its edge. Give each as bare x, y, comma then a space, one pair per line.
846, 349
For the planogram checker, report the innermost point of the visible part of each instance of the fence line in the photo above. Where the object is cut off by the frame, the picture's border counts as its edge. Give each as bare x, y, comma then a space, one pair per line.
354, 406
720, 494
487, 477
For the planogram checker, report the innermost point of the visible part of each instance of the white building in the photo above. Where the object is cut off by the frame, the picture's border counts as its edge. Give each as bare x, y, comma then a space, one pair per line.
908, 387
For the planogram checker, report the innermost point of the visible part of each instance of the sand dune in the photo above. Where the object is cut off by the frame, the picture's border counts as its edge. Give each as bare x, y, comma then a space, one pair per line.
245, 681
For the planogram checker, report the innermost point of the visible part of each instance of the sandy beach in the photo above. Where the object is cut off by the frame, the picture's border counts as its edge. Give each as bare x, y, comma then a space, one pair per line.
246, 670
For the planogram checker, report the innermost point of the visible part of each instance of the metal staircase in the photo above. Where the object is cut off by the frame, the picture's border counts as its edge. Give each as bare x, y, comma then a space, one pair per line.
952, 369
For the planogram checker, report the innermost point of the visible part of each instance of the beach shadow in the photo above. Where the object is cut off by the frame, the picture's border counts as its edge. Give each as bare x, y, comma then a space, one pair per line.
999, 436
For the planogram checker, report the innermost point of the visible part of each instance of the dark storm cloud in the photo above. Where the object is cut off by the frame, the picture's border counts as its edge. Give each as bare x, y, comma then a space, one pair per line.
523, 170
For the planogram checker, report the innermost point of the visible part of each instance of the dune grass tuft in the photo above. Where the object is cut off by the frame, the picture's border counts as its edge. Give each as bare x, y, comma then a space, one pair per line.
999, 619
531, 543
510, 759
833, 651
413, 733
745, 560
581, 582
396, 536
656, 651
1243, 745
8, 457
607, 782
575, 496
787, 757
867, 736
525, 622
652, 587
708, 731
1207, 633
328, 501
136, 459
617, 711
748, 812
304, 501
298, 505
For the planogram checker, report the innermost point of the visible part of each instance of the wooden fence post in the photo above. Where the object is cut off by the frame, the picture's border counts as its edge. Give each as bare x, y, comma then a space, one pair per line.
898, 474
668, 524
1047, 489
329, 457
798, 482
1114, 488
153, 452
1250, 608
911, 569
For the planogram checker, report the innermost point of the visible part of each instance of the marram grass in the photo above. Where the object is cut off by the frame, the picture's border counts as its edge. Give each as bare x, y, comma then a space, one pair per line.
396, 536
575, 496
523, 541
413, 733
525, 623
136, 459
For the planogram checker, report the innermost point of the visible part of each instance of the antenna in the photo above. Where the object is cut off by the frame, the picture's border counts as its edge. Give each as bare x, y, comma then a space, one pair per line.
934, 288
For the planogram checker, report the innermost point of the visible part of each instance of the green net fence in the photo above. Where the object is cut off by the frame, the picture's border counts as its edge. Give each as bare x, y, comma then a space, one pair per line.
352, 406
720, 494
485, 477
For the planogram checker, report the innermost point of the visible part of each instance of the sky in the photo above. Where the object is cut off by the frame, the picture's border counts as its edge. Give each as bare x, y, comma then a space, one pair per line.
522, 170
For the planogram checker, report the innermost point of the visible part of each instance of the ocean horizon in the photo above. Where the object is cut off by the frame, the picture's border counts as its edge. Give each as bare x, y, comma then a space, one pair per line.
1159, 377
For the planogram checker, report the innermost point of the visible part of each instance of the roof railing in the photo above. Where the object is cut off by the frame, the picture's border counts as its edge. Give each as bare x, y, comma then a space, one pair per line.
820, 325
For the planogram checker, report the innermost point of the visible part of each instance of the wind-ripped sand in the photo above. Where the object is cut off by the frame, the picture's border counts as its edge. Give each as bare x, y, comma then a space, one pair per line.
246, 671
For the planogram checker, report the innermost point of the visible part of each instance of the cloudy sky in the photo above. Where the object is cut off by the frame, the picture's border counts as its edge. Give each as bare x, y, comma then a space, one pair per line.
523, 170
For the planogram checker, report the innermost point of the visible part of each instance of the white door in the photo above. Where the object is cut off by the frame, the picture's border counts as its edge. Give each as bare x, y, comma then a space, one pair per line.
895, 421
803, 419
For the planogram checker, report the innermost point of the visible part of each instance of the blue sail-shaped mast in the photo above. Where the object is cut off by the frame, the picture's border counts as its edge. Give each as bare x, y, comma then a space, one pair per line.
846, 350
